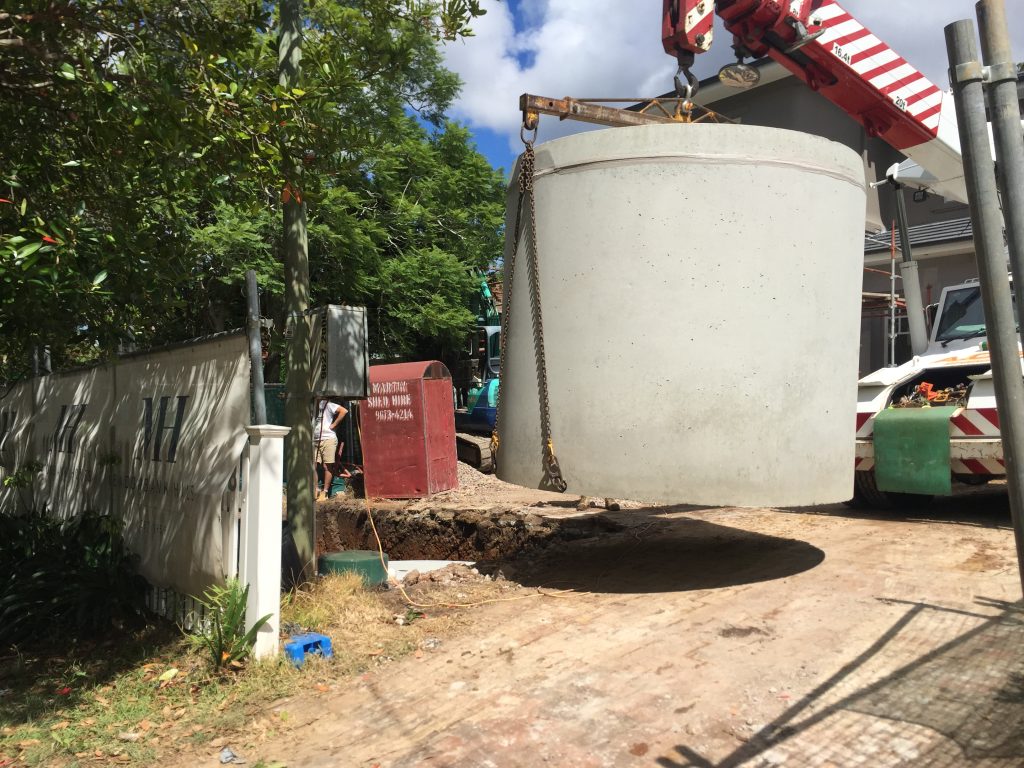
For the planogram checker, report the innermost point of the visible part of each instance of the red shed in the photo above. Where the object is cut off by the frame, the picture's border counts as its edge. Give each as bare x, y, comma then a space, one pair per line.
408, 431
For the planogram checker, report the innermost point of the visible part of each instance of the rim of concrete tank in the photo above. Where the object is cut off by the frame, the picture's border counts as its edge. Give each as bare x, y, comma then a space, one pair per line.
701, 144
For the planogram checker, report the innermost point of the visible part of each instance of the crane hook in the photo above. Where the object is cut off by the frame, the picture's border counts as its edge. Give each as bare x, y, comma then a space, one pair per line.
528, 131
689, 90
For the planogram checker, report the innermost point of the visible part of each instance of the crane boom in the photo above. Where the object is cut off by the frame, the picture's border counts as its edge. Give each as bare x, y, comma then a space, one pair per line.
834, 54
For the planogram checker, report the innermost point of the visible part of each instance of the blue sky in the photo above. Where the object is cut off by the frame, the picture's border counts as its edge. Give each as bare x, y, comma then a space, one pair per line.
612, 48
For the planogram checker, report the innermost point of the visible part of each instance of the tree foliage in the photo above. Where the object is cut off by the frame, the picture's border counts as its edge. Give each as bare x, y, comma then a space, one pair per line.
141, 171
422, 212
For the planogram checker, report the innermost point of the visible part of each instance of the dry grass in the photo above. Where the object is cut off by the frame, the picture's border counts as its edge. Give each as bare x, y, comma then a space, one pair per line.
117, 711
336, 600
362, 623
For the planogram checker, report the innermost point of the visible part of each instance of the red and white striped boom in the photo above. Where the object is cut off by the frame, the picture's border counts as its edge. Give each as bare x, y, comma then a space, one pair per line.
836, 55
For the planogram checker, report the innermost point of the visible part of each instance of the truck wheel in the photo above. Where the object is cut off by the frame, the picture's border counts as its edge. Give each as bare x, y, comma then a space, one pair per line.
972, 479
867, 496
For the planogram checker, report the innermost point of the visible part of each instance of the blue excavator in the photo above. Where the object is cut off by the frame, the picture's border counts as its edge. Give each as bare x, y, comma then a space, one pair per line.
476, 382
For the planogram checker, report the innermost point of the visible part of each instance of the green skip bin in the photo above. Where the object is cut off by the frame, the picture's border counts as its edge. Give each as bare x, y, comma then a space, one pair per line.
364, 562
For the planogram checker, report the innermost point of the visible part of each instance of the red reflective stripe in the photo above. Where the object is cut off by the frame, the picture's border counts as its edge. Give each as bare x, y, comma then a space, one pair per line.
862, 419
990, 414
840, 19
897, 85
975, 467
922, 95
852, 37
888, 67
702, 26
966, 426
868, 53
922, 117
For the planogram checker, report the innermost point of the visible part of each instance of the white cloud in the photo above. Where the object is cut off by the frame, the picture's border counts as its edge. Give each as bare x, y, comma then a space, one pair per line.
612, 48
583, 48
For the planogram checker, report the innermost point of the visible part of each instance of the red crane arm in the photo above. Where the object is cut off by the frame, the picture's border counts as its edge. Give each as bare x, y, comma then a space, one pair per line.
823, 45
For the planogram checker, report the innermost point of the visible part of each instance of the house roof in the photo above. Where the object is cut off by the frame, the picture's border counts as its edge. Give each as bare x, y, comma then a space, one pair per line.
950, 230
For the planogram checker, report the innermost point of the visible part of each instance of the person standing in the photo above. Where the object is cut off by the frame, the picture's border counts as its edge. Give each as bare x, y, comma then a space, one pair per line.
325, 442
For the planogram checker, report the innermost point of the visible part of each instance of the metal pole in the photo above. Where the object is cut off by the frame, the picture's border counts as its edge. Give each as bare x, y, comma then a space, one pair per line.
911, 281
1004, 110
252, 328
298, 414
892, 301
966, 77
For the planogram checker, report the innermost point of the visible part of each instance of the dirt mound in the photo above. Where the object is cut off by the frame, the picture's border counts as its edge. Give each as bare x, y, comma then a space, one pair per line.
470, 478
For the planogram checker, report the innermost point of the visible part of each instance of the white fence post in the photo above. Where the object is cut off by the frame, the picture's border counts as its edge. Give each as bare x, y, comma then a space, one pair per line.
261, 535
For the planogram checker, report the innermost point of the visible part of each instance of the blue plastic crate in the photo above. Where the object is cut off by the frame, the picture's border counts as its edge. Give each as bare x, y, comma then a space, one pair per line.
312, 642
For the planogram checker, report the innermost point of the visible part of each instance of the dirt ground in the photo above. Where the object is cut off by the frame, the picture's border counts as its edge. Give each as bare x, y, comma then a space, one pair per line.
699, 637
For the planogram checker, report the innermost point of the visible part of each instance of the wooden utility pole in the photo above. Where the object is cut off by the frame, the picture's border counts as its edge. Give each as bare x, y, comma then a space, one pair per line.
299, 443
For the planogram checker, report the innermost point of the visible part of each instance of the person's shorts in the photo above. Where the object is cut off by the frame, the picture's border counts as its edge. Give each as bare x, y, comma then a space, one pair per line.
324, 451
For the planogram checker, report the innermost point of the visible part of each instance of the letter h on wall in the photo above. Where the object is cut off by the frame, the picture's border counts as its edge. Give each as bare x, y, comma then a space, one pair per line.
67, 425
7, 420
154, 437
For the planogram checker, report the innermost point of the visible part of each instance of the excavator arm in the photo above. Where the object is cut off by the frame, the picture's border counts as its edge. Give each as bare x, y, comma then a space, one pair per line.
837, 56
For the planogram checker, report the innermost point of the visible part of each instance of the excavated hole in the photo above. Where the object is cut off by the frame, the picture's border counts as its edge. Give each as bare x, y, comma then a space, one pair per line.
487, 536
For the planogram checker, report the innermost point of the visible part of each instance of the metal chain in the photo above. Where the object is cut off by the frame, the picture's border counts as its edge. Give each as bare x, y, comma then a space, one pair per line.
506, 312
551, 466
552, 469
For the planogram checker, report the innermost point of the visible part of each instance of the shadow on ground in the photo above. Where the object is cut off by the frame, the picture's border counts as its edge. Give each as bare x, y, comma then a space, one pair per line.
666, 556
983, 507
50, 678
953, 695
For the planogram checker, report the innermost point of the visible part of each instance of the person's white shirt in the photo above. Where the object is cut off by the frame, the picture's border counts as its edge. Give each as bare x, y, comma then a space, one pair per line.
326, 413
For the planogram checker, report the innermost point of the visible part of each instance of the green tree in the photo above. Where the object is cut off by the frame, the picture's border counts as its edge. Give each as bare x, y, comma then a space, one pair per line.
422, 213
141, 167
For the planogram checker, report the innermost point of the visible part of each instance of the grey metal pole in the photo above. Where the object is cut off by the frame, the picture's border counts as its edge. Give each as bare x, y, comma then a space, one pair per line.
1004, 110
911, 279
966, 77
252, 328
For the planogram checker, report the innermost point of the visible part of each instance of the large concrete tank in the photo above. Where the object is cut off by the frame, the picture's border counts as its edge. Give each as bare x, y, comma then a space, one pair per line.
700, 287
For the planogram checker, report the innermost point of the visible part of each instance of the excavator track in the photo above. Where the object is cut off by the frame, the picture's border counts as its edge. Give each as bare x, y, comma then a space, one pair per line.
475, 451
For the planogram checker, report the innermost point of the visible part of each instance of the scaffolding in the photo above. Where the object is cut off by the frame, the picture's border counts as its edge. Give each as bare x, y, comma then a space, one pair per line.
888, 306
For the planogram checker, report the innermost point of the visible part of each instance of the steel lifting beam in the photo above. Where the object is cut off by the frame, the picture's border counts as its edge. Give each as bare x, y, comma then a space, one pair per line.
585, 112
670, 110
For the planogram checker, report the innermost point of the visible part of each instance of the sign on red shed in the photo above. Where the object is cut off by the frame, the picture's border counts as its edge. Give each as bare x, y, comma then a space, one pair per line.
408, 431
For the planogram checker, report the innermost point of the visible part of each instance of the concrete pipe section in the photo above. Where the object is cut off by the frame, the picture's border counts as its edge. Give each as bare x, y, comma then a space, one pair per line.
700, 289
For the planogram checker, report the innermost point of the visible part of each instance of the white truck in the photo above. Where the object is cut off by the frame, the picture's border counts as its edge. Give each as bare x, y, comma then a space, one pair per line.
932, 420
